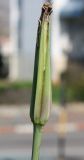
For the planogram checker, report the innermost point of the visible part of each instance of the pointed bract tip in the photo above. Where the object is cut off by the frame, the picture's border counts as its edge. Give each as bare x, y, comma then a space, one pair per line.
47, 8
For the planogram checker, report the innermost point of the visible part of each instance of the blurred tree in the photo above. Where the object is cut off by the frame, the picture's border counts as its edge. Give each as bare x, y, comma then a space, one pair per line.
3, 66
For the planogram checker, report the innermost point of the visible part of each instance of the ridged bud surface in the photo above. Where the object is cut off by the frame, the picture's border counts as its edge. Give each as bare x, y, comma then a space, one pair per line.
41, 90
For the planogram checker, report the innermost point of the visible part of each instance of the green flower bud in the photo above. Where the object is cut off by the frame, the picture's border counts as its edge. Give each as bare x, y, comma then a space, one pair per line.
41, 90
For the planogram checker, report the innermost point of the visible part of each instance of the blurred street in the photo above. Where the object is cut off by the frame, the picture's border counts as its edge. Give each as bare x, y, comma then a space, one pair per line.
16, 133
63, 135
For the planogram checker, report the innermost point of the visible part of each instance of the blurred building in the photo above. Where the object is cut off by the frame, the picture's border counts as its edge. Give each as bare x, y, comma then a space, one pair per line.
72, 22
4, 18
19, 45
67, 34
20, 29
23, 32
29, 14
58, 59
24, 17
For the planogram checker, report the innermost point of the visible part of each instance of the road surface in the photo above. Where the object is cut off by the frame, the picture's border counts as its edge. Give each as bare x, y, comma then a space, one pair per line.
16, 136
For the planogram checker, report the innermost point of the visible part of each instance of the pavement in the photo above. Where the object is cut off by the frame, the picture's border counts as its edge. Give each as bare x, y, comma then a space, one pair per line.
16, 119
16, 133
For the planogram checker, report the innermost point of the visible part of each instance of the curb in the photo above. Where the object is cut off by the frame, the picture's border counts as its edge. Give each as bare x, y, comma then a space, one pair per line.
56, 128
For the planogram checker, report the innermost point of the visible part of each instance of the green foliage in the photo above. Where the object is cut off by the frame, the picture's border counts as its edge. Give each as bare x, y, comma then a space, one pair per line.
71, 94
15, 85
56, 93
75, 94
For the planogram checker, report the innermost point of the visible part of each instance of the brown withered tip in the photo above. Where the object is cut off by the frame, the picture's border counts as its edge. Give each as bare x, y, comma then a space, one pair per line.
47, 8
46, 11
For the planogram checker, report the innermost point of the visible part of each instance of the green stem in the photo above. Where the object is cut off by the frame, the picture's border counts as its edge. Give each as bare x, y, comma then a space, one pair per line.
37, 133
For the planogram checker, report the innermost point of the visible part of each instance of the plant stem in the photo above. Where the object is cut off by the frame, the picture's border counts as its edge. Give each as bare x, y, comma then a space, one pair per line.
37, 133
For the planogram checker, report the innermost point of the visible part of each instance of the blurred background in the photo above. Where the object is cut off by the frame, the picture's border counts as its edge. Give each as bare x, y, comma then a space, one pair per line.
63, 136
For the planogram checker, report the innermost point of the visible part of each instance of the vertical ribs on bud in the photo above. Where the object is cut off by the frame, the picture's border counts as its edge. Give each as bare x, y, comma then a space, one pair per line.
41, 90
